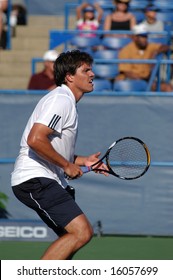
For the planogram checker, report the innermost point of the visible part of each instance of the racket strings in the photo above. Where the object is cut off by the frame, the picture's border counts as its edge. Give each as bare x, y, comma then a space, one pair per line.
128, 158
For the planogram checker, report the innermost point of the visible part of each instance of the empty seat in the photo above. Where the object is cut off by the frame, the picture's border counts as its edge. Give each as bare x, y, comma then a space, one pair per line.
84, 42
115, 43
130, 85
102, 84
106, 54
107, 71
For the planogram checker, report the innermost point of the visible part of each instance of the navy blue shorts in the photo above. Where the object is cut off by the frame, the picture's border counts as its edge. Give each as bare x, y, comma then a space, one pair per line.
53, 204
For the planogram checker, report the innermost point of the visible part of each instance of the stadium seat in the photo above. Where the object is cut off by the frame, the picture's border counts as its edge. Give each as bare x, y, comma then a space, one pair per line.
85, 43
106, 71
115, 43
166, 5
167, 18
136, 4
130, 85
153, 38
102, 84
105, 54
100, 2
139, 15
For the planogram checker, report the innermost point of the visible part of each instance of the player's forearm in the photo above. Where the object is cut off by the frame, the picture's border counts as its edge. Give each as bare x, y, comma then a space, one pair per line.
45, 150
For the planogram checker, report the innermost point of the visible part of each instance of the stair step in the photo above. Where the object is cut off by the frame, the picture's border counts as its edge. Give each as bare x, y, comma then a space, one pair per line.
19, 55
37, 31
13, 82
50, 21
14, 70
30, 43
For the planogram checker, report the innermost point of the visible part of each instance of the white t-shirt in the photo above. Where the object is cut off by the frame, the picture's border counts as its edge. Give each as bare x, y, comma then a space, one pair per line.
56, 110
158, 26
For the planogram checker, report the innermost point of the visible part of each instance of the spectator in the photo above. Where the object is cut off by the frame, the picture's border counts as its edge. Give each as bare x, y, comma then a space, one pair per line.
3, 20
139, 48
86, 19
44, 80
120, 19
151, 22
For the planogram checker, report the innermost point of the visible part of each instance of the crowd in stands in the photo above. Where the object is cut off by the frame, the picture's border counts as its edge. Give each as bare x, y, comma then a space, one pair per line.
90, 16
140, 48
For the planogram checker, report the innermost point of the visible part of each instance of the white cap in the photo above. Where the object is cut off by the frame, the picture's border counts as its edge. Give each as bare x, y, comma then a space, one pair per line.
140, 29
50, 55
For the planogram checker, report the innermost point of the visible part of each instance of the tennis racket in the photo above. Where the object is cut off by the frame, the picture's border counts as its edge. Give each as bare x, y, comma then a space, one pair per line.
127, 158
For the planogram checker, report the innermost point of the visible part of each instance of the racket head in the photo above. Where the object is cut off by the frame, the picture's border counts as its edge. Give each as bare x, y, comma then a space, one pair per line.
128, 159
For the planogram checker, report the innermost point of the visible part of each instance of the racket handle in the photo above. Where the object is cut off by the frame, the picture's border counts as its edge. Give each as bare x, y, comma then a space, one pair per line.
86, 169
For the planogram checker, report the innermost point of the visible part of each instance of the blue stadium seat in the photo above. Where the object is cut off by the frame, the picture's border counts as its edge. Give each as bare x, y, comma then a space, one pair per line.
136, 4
85, 43
130, 85
105, 54
102, 84
106, 71
167, 18
153, 38
166, 5
115, 43
101, 2
139, 15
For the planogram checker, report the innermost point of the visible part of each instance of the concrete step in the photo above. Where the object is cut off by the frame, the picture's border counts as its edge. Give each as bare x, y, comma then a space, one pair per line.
14, 70
14, 82
13, 56
30, 44
51, 21
30, 32
31, 41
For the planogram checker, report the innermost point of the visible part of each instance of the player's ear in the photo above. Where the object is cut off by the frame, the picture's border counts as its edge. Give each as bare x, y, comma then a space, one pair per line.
69, 78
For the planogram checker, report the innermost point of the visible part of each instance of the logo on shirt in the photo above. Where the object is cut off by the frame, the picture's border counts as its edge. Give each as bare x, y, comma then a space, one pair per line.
54, 121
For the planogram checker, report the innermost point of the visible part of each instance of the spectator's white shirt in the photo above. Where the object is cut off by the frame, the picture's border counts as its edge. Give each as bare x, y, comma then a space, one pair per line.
56, 110
158, 26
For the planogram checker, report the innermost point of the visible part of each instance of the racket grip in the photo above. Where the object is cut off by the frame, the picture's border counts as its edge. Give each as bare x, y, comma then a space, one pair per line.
86, 169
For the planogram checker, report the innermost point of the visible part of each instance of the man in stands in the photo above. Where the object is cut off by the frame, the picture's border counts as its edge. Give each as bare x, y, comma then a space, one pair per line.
44, 80
141, 49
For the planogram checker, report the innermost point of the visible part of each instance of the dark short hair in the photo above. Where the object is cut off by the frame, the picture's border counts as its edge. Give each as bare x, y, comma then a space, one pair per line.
69, 62
152, 8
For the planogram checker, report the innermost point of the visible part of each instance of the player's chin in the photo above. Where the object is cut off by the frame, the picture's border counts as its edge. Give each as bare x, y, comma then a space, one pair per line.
90, 88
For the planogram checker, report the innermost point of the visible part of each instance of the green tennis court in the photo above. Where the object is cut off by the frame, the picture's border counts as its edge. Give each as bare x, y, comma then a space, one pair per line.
100, 248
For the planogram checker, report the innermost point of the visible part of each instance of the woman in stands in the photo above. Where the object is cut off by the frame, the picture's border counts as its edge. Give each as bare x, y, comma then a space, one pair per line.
120, 19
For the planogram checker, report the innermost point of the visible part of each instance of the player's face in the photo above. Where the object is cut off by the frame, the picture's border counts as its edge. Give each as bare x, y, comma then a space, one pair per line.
83, 79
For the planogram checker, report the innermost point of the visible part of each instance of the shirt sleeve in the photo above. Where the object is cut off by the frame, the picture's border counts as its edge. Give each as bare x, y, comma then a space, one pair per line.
55, 113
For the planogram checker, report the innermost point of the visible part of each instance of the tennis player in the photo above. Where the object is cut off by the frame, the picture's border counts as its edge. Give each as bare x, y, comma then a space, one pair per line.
47, 153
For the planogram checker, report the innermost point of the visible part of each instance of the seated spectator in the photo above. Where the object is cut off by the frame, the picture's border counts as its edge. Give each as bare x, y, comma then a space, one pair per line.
45, 79
141, 49
120, 19
151, 22
86, 18
3, 21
